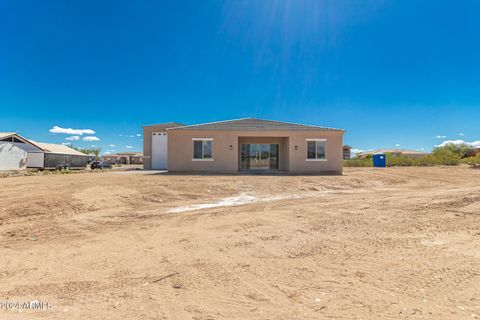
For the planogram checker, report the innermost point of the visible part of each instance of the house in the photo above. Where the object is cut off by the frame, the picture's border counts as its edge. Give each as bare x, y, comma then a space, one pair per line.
18, 153
396, 152
124, 158
347, 152
244, 145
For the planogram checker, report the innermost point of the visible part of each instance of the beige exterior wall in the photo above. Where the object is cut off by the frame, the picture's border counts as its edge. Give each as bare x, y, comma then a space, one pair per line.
226, 146
147, 140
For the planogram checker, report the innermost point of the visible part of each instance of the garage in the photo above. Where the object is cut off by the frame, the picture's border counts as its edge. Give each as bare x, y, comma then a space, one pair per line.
155, 145
159, 150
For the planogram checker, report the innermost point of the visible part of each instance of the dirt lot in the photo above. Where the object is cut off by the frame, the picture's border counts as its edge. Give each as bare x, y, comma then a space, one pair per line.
371, 244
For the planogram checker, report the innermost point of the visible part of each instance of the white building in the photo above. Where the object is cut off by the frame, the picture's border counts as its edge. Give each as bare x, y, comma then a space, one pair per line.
18, 153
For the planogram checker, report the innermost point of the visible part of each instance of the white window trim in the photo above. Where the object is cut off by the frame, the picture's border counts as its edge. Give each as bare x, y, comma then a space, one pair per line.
203, 159
317, 160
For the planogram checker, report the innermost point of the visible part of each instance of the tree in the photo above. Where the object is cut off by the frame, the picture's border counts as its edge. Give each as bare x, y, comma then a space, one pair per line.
93, 150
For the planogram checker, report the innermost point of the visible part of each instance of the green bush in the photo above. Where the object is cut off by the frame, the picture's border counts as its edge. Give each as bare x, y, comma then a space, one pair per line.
473, 161
367, 162
448, 155
399, 161
450, 148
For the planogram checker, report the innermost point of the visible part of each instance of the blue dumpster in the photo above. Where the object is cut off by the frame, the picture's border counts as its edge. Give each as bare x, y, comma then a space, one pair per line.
379, 160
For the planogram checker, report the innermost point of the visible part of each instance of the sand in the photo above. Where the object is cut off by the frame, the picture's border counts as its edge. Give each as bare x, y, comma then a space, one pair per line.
371, 244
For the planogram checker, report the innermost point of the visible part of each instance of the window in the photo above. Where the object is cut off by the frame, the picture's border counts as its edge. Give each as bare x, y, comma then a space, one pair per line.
316, 149
202, 149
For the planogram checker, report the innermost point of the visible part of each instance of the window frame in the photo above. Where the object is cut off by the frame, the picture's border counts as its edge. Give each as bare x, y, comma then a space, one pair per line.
324, 141
203, 140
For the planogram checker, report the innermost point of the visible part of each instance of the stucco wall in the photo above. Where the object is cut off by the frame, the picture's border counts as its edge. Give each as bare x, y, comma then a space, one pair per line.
225, 150
333, 151
12, 157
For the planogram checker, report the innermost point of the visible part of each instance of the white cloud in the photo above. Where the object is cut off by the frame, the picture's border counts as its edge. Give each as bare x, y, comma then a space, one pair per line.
91, 138
72, 138
57, 129
128, 147
107, 152
441, 137
93, 146
461, 134
139, 135
397, 145
111, 145
66, 143
131, 136
474, 144
120, 135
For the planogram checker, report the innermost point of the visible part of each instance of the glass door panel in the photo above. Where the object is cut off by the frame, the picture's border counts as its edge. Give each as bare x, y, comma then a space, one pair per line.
257, 156
273, 163
264, 156
245, 156
254, 156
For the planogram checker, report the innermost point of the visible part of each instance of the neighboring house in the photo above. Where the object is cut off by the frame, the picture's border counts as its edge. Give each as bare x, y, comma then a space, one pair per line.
347, 152
397, 152
124, 158
244, 145
18, 153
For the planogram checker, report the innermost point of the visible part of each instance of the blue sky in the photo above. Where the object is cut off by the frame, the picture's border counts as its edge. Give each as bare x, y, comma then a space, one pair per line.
390, 72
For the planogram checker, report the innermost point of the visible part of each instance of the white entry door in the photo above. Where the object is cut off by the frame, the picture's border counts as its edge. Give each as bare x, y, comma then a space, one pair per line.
159, 150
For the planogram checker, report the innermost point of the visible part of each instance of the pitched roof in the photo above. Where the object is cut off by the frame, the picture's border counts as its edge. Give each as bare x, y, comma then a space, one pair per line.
59, 148
133, 153
252, 124
166, 125
46, 147
6, 134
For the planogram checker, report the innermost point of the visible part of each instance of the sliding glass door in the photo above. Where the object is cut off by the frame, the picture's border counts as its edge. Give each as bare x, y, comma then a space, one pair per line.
259, 156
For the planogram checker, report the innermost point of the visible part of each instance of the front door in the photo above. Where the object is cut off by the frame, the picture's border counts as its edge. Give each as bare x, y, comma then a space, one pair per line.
259, 156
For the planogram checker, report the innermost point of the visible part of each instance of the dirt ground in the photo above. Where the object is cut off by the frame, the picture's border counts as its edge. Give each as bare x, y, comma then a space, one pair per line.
371, 244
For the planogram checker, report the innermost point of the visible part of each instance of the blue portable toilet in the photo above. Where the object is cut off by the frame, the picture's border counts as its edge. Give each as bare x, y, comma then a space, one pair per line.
379, 160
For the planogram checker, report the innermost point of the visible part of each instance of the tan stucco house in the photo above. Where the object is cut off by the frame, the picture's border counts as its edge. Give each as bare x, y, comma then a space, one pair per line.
244, 145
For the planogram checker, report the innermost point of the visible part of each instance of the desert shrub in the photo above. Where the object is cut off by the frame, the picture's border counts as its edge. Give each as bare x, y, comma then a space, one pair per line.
473, 161
450, 148
356, 162
447, 155
426, 161
399, 161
